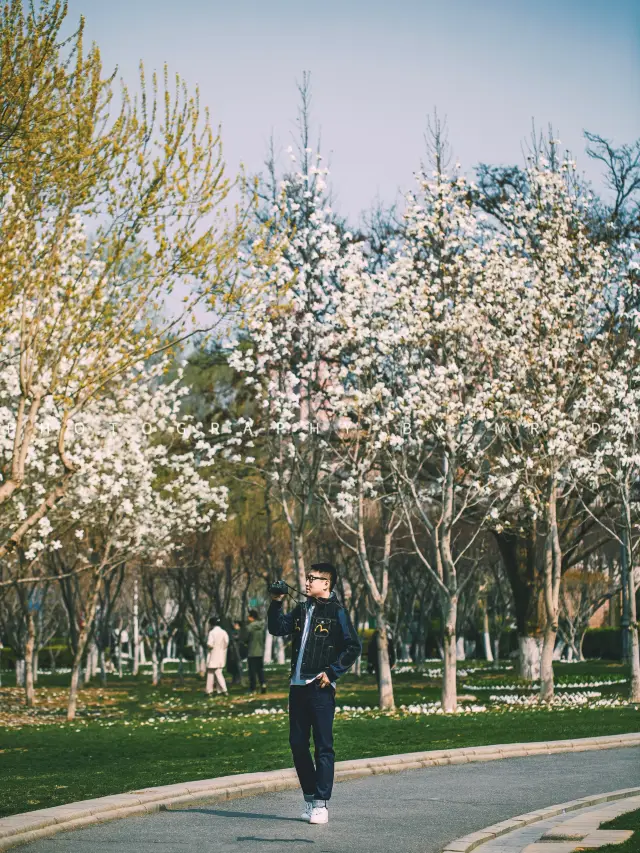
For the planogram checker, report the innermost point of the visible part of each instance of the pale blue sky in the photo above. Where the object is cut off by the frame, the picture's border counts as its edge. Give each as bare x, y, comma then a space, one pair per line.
379, 68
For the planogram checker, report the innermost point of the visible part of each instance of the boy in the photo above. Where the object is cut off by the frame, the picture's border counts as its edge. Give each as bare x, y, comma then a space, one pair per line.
324, 646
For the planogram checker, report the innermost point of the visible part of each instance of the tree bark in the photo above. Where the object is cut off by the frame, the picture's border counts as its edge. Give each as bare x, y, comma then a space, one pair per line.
634, 646
82, 642
268, 648
529, 657
30, 694
449, 690
385, 689
103, 667
518, 554
552, 577
486, 634
278, 643
136, 628
155, 669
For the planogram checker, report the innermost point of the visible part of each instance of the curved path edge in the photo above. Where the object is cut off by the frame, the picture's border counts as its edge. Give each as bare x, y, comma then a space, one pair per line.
474, 839
30, 826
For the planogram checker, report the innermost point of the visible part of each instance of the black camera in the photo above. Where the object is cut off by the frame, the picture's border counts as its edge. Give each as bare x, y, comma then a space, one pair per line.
278, 588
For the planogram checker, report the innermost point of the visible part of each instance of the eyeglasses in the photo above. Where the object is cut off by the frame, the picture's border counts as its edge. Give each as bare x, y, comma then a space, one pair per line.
312, 578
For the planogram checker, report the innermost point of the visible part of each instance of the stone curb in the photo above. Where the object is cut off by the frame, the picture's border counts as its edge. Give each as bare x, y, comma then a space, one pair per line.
475, 839
30, 826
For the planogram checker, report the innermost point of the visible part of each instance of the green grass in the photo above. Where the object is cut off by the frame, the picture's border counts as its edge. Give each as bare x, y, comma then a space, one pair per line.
630, 820
130, 735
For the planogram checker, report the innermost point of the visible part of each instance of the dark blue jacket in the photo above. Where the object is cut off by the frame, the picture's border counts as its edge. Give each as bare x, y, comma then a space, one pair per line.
332, 646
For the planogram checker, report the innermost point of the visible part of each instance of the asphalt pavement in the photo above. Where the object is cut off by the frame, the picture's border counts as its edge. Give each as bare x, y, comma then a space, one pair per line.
416, 811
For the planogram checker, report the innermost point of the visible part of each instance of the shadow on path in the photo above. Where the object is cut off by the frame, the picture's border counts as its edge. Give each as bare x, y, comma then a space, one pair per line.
275, 840
227, 813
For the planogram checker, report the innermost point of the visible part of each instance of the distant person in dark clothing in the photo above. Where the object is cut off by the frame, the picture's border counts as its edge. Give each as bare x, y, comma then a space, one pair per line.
234, 656
255, 637
372, 653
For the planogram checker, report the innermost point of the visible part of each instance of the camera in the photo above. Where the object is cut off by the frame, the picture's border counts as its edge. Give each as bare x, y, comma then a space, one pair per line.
278, 588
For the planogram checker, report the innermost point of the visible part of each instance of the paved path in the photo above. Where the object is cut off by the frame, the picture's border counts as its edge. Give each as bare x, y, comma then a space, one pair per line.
417, 811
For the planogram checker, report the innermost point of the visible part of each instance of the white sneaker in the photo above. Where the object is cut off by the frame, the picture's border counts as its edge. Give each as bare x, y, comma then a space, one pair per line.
308, 808
319, 814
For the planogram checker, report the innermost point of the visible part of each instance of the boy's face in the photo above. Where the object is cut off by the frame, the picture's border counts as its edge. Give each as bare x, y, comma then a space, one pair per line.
318, 584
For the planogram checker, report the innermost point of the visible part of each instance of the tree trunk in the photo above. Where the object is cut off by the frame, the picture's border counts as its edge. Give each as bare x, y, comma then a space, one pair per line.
103, 666
634, 648
136, 629
82, 642
449, 690
529, 658
87, 666
546, 662
580, 642
155, 669
20, 676
385, 690
30, 694
120, 653
552, 577
559, 649
460, 652
278, 643
298, 555
486, 635
518, 554
268, 648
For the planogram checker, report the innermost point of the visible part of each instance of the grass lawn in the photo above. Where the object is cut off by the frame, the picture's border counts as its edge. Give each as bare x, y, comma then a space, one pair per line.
130, 735
630, 820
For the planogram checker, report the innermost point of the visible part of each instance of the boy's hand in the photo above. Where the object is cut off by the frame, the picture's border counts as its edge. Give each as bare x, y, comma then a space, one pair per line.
323, 680
277, 597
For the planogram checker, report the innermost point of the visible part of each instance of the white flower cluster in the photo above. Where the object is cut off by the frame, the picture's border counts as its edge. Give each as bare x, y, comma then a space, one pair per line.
436, 708
558, 700
536, 685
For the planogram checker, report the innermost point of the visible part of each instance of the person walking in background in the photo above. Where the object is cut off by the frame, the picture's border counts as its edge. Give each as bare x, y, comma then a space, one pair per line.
255, 637
217, 643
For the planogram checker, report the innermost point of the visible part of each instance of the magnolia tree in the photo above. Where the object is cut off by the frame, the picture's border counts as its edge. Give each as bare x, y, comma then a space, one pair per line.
76, 312
307, 280
557, 300
357, 488
443, 395
134, 496
613, 466
298, 261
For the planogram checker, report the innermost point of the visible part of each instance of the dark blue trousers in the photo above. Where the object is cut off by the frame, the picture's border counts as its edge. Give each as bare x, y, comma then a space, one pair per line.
313, 707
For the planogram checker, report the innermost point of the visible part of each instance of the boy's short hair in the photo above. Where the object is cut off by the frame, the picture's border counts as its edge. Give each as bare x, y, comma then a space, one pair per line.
253, 613
329, 569
213, 621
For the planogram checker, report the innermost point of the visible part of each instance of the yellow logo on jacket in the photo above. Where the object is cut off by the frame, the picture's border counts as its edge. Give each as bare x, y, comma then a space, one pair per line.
320, 629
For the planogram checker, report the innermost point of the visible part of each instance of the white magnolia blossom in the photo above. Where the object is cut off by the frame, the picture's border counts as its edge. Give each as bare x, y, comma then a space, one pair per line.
143, 490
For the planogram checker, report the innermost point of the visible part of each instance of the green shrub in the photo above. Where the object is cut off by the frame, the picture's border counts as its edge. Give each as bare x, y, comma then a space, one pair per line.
605, 643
